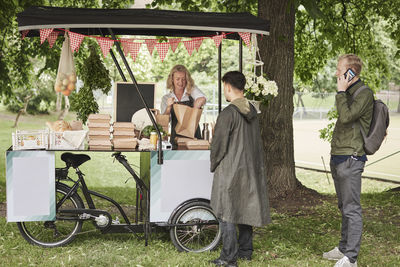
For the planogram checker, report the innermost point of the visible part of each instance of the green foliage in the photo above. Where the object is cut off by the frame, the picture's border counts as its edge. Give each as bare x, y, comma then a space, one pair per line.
150, 128
326, 133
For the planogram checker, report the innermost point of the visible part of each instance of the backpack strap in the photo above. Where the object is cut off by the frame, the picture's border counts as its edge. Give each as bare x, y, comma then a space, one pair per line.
364, 135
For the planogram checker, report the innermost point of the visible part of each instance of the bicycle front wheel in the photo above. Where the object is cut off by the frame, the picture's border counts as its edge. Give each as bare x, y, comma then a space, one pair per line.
59, 232
196, 228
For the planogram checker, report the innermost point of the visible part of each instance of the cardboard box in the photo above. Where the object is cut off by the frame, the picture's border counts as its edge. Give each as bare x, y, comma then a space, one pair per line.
129, 143
100, 147
123, 126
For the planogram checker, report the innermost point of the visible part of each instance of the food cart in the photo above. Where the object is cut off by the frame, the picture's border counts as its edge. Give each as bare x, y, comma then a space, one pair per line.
173, 188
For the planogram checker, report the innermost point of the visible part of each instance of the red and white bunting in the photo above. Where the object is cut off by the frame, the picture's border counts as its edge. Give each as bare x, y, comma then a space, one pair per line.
190, 46
52, 38
218, 39
174, 42
246, 37
150, 45
197, 42
105, 45
162, 49
75, 40
24, 33
134, 49
44, 33
125, 45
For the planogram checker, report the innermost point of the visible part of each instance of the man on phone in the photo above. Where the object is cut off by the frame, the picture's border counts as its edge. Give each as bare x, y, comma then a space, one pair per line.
348, 156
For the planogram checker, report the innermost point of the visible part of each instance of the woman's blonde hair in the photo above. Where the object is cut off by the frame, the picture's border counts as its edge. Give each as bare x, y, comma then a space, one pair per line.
189, 80
353, 62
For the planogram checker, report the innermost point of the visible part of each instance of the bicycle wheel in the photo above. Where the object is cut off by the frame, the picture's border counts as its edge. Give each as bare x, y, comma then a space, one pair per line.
55, 233
198, 228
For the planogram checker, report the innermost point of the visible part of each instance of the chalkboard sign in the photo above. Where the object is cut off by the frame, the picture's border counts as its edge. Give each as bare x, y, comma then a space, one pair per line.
127, 100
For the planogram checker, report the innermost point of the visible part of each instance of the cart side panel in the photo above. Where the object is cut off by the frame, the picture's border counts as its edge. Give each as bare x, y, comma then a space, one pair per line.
184, 175
30, 185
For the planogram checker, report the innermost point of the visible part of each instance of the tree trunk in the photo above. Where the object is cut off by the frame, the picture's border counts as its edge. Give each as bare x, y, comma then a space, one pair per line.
277, 52
22, 110
64, 112
58, 102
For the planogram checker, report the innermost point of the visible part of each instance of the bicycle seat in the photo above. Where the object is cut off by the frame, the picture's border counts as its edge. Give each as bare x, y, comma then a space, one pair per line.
74, 160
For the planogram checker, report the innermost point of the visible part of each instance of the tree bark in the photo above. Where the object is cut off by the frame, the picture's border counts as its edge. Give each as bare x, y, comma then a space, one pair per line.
59, 102
22, 110
64, 112
277, 52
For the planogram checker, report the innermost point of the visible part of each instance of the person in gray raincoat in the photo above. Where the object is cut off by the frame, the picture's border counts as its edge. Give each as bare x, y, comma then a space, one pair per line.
239, 192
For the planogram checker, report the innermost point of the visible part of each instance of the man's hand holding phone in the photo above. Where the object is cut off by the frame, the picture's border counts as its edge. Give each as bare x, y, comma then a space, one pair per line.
345, 80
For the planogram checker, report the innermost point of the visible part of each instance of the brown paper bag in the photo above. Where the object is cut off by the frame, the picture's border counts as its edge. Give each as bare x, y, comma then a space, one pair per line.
188, 120
161, 119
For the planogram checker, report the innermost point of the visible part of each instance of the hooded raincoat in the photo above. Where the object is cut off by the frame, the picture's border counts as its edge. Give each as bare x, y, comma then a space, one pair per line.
239, 192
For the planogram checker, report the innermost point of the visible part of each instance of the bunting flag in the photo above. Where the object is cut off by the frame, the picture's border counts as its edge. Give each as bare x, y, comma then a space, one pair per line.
162, 49
125, 45
218, 39
197, 42
24, 33
52, 38
246, 37
134, 49
190, 45
174, 42
75, 40
44, 33
150, 45
105, 45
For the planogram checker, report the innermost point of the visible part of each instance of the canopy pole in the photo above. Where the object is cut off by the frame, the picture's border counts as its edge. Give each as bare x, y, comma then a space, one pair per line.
160, 153
115, 61
219, 78
241, 55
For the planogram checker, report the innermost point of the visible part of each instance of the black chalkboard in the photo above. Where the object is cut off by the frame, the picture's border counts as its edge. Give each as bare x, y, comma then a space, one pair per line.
127, 100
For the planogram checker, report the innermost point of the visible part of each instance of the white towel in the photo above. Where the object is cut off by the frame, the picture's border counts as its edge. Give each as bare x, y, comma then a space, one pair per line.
75, 138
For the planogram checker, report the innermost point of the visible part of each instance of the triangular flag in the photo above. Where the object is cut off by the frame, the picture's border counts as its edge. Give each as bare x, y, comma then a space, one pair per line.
76, 40
174, 42
44, 33
189, 46
150, 45
52, 38
246, 37
125, 45
197, 42
134, 49
105, 45
218, 39
24, 33
162, 49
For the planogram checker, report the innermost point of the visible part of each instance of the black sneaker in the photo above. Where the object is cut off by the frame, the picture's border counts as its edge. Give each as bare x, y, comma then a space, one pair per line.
219, 262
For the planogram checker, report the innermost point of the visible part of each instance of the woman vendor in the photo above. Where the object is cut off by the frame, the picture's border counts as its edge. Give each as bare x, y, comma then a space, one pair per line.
182, 91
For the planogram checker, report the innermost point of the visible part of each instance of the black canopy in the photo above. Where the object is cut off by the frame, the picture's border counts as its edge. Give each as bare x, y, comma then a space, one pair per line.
139, 21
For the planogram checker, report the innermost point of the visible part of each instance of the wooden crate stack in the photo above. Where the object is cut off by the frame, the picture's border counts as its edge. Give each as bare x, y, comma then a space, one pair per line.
99, 132
124, 136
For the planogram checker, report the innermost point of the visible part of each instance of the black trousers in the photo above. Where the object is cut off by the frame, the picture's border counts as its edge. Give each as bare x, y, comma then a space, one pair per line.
234, 247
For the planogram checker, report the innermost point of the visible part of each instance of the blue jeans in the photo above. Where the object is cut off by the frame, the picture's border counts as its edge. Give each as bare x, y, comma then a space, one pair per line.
347, 179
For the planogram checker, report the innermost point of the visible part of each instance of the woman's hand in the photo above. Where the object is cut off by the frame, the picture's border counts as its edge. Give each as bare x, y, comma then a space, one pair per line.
170, 101
199, 102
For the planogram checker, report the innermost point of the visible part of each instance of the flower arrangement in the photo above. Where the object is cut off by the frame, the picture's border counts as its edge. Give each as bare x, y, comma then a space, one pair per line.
258, 88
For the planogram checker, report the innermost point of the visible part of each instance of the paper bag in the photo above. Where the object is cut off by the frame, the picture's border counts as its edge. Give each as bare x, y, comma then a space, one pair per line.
161, 119
188, 120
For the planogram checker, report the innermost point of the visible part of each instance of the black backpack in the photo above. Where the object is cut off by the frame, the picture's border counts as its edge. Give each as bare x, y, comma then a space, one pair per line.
379, 124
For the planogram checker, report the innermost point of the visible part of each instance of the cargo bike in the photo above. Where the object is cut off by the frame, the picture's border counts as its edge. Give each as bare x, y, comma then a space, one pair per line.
174, 187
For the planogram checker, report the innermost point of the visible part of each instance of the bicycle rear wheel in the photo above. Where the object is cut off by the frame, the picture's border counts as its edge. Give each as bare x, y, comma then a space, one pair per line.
59, 232
197, 228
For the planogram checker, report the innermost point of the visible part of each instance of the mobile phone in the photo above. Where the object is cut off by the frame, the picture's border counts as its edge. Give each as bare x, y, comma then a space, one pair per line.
351, 73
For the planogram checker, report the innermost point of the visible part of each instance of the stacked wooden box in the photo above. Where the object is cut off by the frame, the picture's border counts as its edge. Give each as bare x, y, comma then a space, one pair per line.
124, 136
99, 132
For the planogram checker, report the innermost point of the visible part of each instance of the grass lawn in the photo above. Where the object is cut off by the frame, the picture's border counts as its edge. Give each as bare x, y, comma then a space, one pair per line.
297, 236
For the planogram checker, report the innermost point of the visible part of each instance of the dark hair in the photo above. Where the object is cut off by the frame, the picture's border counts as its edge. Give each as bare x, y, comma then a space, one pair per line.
236, 79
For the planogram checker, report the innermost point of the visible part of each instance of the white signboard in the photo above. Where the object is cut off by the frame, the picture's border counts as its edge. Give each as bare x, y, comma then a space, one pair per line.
30, 186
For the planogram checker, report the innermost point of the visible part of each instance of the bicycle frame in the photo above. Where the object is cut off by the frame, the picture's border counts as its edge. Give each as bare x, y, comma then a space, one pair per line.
128, 227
